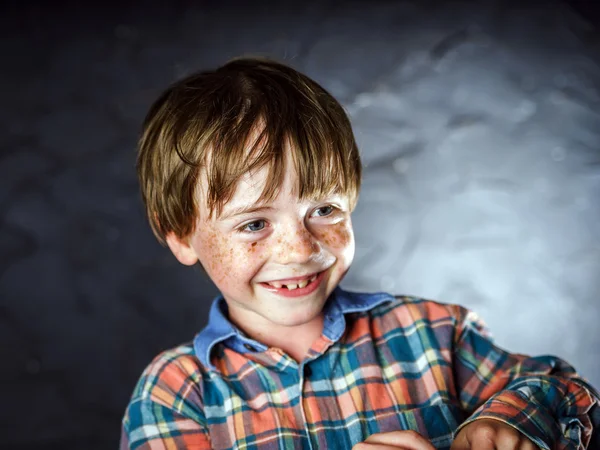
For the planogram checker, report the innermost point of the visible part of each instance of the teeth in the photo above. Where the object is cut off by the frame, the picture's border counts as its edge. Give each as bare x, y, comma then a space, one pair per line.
291, 287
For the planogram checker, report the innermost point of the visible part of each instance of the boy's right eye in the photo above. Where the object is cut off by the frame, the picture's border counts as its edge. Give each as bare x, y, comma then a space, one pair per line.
253, 227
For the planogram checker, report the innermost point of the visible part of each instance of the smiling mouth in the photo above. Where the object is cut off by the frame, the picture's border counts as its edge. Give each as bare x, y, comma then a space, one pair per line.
296, 287
295, 284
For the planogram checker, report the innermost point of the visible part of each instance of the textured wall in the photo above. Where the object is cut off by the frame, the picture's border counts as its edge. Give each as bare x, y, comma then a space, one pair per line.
479, 123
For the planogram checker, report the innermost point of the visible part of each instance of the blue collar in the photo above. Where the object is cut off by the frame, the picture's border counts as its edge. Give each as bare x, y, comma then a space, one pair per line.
220, 329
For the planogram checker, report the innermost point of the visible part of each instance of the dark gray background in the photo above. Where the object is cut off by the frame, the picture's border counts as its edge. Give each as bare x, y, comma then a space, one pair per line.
478, 122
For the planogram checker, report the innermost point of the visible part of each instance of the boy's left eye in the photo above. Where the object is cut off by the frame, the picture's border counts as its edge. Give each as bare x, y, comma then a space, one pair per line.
323, 211
255, 226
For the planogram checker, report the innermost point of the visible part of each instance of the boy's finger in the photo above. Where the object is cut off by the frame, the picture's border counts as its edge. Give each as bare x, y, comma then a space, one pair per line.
528, 445
365, 446
408, 440
479, 441
464, 442
508, 438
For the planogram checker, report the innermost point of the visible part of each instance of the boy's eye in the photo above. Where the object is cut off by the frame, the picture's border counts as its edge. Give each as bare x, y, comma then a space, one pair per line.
257, 225
323, 211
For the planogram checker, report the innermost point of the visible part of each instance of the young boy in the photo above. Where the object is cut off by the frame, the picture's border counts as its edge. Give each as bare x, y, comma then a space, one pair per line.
252, 170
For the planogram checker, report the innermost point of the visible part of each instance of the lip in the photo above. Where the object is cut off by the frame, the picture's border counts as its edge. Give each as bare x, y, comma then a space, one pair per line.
298, 292
291, 279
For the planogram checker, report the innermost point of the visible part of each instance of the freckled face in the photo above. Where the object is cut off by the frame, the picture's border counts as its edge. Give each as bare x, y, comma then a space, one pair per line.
247, 253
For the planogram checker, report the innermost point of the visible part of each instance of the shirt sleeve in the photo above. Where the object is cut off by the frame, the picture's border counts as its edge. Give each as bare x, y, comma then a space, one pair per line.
165, 411
542, 397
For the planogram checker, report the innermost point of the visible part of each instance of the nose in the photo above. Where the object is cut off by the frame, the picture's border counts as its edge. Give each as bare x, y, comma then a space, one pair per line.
296, 245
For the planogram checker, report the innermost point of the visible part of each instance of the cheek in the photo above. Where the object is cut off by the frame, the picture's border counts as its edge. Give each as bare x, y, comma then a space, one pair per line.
214, 253
226, 259
250, 255
338, 236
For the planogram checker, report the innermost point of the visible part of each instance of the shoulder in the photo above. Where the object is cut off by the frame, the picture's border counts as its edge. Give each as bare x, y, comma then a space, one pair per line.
174, 377
167, 401
413, 309
408, 312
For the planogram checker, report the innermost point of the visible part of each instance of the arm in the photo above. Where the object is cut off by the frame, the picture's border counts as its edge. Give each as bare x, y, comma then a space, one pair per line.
165, 412
150, 425
543, 397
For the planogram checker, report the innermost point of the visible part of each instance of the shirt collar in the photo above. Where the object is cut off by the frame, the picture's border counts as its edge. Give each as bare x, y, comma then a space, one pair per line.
220, 329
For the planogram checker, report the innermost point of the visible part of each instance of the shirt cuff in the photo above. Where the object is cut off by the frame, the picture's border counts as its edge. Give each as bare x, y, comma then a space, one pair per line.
521, 413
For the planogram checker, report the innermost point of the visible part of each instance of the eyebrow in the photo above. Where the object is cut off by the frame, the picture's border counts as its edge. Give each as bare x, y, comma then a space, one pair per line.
245, 209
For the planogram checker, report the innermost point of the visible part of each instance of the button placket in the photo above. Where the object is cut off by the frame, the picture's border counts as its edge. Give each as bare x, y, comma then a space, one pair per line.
304, 372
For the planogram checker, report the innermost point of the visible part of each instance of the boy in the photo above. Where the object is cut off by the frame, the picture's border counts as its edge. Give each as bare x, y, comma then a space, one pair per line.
252, 170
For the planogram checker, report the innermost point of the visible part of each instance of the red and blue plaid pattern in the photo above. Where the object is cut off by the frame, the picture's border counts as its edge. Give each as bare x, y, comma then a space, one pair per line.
396, 364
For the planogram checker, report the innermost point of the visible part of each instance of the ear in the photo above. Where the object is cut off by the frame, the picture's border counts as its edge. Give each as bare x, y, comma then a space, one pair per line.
182, 249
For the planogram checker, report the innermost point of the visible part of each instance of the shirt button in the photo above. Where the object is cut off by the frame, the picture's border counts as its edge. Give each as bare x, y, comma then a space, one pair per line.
307, 371
249, 347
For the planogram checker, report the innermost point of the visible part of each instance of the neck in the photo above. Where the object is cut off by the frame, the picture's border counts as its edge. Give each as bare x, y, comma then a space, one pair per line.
295, 341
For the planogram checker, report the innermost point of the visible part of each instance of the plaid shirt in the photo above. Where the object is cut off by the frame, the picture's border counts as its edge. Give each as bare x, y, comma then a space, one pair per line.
381, 364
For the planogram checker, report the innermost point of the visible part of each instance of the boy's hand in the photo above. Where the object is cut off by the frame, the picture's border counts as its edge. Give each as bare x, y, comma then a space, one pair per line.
490, 434
395, 440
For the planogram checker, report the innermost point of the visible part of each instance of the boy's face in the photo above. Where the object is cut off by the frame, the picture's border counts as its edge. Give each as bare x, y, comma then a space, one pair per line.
275, 263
